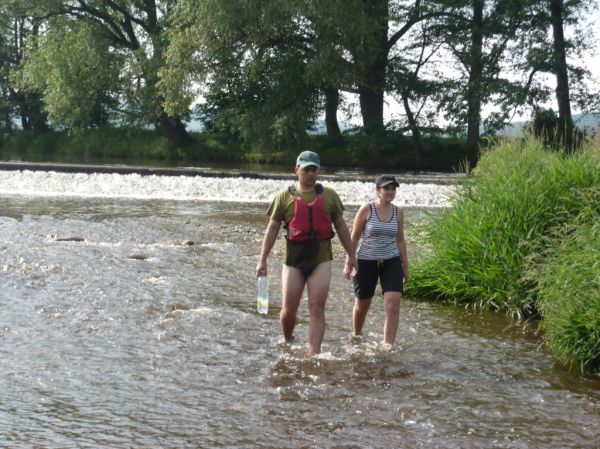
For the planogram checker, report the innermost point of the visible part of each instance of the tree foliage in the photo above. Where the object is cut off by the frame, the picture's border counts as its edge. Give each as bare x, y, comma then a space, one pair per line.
265, 71
61, 77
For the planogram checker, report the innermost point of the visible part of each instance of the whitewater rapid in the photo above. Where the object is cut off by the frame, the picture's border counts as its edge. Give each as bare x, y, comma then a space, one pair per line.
201, 188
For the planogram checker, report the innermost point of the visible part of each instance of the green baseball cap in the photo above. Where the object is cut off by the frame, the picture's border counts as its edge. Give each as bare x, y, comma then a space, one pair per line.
307, 158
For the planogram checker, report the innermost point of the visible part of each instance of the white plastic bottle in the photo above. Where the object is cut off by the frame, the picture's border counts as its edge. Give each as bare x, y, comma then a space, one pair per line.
262, 299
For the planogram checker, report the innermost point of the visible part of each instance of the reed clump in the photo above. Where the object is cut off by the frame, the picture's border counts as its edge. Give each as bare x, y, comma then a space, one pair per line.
494, 248
566, 275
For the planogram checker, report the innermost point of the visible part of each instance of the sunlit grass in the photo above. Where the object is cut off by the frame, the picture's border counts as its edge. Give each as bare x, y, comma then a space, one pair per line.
479, 250
567, 277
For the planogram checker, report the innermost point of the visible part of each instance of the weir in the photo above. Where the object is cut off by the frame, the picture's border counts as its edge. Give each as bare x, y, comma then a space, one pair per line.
420, 190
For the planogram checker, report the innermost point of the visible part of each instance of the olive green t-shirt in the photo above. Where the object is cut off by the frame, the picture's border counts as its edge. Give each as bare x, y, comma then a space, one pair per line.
305, 254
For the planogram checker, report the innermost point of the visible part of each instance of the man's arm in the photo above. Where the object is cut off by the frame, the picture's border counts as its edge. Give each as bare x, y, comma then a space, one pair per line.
346, 241
267, 245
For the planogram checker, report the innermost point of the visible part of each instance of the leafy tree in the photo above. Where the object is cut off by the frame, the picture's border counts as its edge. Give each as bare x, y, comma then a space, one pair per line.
135, 31
17, 27
5, 106
61, 77
380, 30
335, 46
252, 59
548, 50
250, 53
563, 97
414, 81
480, 36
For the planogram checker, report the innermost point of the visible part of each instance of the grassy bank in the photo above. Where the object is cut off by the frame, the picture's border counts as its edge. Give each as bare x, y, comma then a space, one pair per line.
522, 237
392, 151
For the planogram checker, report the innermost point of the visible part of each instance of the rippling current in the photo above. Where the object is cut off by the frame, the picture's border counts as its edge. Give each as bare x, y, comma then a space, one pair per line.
127, 320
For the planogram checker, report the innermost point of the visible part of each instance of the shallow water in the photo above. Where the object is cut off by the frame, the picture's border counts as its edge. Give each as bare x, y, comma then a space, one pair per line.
131, 323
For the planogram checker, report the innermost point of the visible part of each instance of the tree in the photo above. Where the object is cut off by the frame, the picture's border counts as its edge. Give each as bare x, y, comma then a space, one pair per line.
550, 51
16, 29
338, 46
61, 76
413, 88
243, 52
259, 64
483, 37
560, 67
135, 31
378, 45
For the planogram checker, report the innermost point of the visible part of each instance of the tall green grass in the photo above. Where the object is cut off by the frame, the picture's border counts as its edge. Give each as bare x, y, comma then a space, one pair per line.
480, 251
567, 277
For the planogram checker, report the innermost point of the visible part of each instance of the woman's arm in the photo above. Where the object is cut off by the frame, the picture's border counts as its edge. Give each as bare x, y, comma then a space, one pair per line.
401, 242
358, 226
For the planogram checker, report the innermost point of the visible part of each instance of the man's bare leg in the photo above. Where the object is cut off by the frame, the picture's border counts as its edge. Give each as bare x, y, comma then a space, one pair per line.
318, 288
292, 286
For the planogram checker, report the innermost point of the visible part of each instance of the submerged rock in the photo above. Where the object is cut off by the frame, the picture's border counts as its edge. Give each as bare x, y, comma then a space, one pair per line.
138, 257
69, 239
177, 306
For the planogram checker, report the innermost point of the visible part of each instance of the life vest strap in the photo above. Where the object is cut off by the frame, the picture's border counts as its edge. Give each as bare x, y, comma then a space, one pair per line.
318, 189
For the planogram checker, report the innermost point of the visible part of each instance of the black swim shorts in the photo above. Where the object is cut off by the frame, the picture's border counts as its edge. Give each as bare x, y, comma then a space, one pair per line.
389, 271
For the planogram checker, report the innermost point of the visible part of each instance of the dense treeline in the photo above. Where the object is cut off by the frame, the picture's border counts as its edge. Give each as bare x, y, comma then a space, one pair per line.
136, 145
266, 70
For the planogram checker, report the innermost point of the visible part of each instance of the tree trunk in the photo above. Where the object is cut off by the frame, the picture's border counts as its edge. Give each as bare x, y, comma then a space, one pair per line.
565, 119
371, 109
475, 77
332, 101
174, 130
7, 120
414, 129
372, 86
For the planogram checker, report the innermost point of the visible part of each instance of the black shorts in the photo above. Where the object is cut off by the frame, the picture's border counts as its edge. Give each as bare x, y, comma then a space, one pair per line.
389, 271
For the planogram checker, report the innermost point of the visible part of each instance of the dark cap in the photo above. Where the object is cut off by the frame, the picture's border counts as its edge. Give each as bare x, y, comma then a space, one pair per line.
307, 158
385, 180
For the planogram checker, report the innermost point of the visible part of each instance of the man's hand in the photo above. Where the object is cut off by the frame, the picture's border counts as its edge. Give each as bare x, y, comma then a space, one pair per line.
261, 268
350, 267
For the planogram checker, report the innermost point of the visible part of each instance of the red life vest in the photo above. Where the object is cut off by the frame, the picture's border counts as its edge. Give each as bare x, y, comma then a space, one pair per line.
311, 221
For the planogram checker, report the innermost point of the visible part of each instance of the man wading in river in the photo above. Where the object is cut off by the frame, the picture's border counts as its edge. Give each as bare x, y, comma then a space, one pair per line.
308, 210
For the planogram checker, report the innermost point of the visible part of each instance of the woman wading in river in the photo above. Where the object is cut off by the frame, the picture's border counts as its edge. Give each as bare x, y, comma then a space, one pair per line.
381, 257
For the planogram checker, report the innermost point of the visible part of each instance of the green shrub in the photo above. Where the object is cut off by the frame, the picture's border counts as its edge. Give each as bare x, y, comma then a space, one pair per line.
566, 271
477, 248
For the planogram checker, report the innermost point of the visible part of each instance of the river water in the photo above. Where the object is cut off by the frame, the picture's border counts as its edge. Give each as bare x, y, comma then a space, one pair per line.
127, 320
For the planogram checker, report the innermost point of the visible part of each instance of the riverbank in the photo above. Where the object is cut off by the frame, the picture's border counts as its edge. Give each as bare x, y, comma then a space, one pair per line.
522, 237
128, 145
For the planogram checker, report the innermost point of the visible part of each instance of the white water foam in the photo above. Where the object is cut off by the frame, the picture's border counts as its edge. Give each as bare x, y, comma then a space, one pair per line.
114, 185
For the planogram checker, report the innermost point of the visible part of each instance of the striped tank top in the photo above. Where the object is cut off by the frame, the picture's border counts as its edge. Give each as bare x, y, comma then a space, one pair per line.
379, 237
